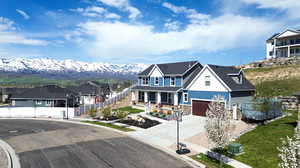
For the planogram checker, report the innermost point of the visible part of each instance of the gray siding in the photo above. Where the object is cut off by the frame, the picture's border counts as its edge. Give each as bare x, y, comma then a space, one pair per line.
30, 103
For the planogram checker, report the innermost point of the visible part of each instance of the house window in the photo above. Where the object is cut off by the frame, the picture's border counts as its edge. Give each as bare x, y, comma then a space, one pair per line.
292, 51
48, 102
145, 81
207, 80
271, 53
297, 50
172, 81
185, 97
156, 80
272, 42
38, 102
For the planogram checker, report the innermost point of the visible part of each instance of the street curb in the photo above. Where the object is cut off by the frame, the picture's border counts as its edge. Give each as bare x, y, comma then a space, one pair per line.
12, 158
184, 158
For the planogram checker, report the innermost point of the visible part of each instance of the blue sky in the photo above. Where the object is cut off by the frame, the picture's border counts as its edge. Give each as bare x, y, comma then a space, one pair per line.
226, 32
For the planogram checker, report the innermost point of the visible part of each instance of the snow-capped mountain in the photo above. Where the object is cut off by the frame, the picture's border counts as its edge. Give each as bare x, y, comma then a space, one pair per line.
52, 66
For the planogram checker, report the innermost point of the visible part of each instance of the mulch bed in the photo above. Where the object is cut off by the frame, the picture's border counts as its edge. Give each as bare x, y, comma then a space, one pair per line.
147, 124
111, 118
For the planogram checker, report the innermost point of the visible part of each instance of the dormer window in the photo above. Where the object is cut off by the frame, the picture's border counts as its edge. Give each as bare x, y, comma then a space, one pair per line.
172, 83
207, 80
156, 81
238, 78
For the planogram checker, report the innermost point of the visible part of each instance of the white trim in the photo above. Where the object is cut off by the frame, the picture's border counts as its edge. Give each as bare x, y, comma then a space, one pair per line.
39, 102
171, 81
155, 81
185, 93
213, 72
155, 66
295, 31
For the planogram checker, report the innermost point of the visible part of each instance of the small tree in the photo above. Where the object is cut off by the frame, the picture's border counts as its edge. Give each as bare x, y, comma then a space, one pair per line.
106, 112
218, 123
290, 152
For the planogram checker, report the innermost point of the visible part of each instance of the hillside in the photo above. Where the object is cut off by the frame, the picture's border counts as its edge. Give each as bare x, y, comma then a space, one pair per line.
275, 80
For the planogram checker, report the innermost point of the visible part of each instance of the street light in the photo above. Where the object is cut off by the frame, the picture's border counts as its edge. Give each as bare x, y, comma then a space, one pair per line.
181, 148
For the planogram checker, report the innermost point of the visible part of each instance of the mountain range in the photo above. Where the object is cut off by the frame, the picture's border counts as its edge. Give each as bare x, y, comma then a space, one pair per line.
46, 67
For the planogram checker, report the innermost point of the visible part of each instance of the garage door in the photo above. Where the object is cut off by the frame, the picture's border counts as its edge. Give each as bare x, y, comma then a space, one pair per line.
199, 107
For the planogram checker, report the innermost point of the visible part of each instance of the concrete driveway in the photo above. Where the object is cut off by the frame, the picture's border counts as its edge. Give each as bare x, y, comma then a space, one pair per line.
50, 144
165, 134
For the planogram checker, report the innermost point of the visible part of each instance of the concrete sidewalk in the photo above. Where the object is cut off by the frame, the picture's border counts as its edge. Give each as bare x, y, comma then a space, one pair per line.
3, 159
192, 133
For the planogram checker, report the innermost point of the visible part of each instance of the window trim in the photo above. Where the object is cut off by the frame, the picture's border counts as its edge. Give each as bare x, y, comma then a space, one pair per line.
47, 103
185, 97
156, 79
207, 79
39, 102
173, 80
145, 79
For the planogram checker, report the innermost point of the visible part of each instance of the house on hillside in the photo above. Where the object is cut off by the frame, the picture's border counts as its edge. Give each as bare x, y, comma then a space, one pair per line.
284, 44
92, 92
45, 96
191, 86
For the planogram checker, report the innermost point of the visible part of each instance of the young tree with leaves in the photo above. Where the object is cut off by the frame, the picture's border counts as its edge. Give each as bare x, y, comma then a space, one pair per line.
290, 152
218, 123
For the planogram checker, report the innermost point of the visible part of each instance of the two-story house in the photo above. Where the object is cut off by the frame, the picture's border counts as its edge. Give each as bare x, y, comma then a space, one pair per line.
191, 86
284, 44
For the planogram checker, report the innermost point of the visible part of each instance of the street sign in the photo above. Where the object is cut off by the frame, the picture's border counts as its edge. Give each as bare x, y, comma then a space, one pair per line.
178, 115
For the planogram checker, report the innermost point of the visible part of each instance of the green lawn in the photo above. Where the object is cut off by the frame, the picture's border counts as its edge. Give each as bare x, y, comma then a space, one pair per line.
209, 162
129, 109
260, 145
109, 125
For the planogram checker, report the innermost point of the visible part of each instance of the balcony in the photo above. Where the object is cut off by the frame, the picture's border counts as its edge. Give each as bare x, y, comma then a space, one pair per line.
287, 43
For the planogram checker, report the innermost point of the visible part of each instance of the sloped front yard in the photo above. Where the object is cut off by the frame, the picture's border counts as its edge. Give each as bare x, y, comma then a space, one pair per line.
260, 145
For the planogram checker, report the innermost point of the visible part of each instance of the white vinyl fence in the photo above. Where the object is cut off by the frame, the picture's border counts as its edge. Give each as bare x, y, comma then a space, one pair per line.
30, 112
100, 105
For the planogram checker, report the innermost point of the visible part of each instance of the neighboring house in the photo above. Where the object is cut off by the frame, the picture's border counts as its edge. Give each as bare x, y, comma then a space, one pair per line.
192, 86
284, 44
6, 93
45, 96
92, 92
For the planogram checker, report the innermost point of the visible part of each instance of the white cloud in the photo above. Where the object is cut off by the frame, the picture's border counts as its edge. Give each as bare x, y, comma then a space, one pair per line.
10, 36
24, 14
172, 25
91, 11
112, 16
115, 40
191, 14
123, 5
292, 7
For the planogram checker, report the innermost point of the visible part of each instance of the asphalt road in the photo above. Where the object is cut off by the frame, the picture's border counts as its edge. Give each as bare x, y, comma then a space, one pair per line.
49, 144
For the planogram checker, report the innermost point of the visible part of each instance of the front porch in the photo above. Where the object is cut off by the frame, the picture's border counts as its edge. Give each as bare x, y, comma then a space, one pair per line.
160, 98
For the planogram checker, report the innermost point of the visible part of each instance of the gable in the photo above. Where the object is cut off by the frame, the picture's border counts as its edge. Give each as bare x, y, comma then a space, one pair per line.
288, 33
215, 83
155, 72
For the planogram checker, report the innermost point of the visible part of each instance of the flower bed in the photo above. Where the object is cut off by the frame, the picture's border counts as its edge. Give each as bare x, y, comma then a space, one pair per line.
139, 121
161, 115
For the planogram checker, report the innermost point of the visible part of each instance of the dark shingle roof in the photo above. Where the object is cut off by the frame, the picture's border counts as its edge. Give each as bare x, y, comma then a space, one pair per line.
150, 88
192, 76
12, 91
45, 92
91, 89
273, 36
177, 68
223, 73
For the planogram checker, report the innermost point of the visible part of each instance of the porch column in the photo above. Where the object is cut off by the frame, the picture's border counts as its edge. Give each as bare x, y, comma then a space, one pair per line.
176, 99
146, 97
288, 51
158, 97
133, 98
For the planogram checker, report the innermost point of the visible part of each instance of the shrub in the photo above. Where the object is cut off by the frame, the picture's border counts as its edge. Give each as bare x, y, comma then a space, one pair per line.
92, 112
122, 114
155, 111
106, 112
169, 112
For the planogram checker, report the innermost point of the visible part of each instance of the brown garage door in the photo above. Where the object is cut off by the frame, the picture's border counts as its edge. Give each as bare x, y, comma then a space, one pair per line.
200, 107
